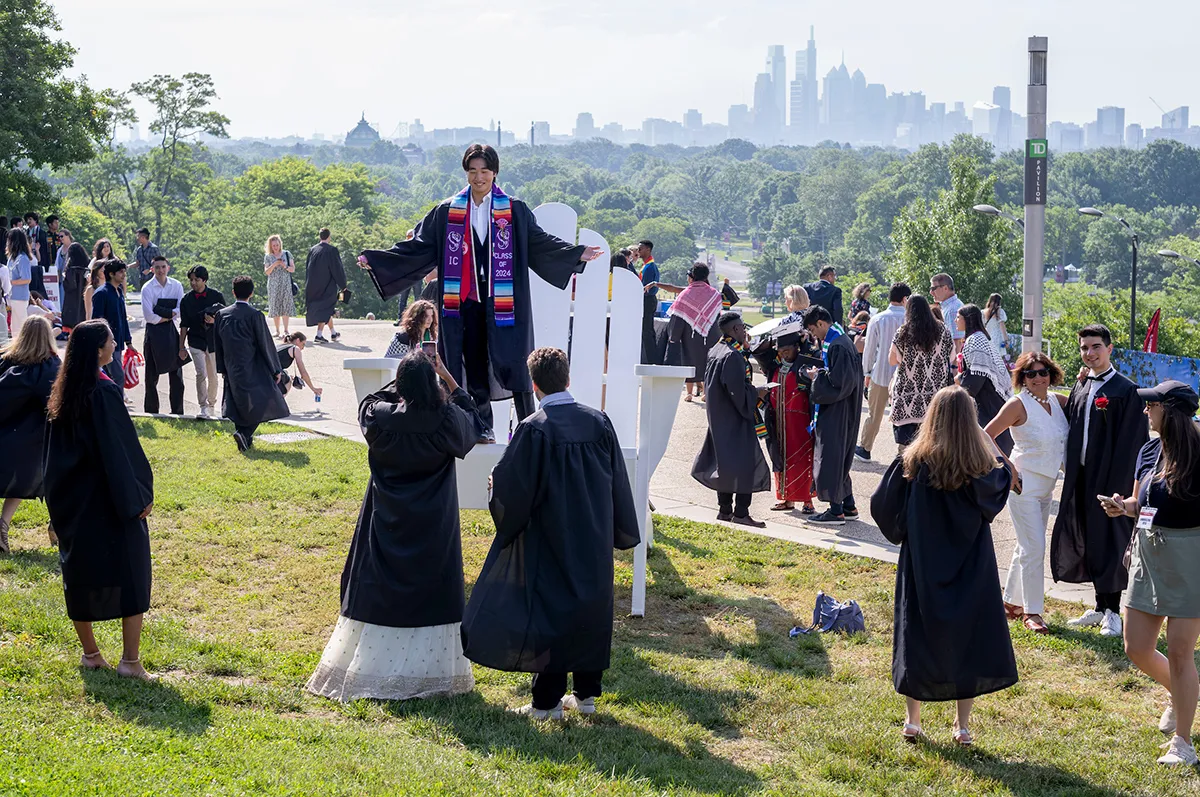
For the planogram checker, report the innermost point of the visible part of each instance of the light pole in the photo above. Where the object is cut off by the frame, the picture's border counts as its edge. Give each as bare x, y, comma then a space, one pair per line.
1173, 255
1037, 162
1133, 238
990, 210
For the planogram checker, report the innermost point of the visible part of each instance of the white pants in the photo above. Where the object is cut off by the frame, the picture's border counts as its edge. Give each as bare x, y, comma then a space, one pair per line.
206, 377
20, 311
1030, 511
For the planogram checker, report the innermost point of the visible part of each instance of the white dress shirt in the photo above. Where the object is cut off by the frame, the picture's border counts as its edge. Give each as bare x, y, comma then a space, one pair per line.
152, 292
1093, 387
481, 217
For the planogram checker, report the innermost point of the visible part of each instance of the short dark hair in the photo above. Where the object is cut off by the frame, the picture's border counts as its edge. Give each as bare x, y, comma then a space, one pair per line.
491, 161
113, 266
51, 219
549, 369
1096, 331
157, 258
826, 270
143, 231
323, 234
943, 279
816, 313
243, 287
899, 292
32, 215
727, 318
648, 244
699, 272
199, 272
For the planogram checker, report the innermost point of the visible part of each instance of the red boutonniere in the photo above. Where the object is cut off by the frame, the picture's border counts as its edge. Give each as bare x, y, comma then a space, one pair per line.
1101, 403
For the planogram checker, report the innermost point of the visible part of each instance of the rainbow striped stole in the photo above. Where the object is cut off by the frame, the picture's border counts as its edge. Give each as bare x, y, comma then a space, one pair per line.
459, 264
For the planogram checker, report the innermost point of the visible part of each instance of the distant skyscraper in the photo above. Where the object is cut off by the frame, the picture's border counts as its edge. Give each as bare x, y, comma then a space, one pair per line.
766, 115
739, 121
1002, 96
541, 132
806, 105
1133, 136
1171, 120
692, 120
1110, 127
777, 69
837, 105
585, 127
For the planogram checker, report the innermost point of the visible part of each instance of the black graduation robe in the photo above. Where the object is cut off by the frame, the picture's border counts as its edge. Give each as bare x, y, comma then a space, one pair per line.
24, 391
838, 390
561, 502
405, 567
688, 347
246, 358
551, 258
950, 640
98, 481
324, 276
731, 460
1087, 546
74, 281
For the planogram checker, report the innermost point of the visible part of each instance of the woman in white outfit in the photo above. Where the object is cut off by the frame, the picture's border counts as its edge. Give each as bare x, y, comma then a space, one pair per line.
1039, 430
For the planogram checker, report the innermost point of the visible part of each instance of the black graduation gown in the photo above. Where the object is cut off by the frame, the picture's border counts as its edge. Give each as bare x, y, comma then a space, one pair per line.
561, 502
405, 567
24, 391
324, 277
1087, 545
551, 258
950, 640
247, 359
74, 281
98, 481
838, 389
688, 347
731, 460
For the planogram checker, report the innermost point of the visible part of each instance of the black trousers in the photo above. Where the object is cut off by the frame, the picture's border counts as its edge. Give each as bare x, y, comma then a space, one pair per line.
1104, 600
549, 687
174, 387
475, 363
649, 308
728, 504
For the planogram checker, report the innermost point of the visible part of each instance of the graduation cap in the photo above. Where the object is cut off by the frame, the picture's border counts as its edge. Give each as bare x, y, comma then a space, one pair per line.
788, 334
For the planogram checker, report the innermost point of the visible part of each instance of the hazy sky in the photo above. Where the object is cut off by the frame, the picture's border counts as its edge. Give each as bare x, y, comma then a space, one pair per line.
305, 66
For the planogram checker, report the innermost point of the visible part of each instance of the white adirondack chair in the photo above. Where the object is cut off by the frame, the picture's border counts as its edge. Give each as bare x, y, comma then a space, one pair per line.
641, 400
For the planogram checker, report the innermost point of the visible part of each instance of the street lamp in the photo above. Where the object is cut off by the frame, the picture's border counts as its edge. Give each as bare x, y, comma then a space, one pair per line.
1133, 238
1173, 255
990, 210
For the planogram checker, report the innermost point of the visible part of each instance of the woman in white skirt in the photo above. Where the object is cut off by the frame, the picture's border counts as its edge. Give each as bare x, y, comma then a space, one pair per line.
398, 634
1038, 424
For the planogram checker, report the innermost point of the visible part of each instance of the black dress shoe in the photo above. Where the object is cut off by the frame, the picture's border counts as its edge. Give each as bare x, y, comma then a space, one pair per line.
725, 516
240, 439
850, 513
746, 520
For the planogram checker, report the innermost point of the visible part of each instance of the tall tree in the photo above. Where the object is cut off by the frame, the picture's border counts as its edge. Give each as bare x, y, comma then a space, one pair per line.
46, 119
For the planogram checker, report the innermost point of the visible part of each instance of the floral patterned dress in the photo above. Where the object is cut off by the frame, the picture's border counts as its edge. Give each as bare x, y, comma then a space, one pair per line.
279, 287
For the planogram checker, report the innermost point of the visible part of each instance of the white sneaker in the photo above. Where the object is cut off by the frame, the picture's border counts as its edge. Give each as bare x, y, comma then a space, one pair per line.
1089, 618
1166, 723
1111, 624
585, 706
1179, 751
204, 413
528, 710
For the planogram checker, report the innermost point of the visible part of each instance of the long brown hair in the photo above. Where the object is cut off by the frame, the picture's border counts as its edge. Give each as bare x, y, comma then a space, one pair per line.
950, 443
71, 396
98, 250
33, 344
1180, 453
411, 322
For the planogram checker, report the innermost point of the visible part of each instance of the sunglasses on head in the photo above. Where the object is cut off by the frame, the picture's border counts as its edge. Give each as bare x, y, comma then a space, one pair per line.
1036, 373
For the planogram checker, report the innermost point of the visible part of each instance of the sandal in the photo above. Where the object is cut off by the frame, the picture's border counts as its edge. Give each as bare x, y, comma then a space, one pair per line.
808, 509
912, 733
962, 736
1035, 623
783, 506
4, 536
1012, 611
687, 397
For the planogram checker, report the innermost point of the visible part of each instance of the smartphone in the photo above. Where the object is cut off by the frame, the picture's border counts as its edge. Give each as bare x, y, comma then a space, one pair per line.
429, 347
1107, 501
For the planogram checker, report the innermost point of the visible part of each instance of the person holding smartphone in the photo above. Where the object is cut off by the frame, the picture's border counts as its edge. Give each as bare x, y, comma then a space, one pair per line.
1164, 557
418, 327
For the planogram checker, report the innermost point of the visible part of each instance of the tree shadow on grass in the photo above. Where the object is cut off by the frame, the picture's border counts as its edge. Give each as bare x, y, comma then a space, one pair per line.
601, 741
153, 704
1108, 650
1021, 777
288, 458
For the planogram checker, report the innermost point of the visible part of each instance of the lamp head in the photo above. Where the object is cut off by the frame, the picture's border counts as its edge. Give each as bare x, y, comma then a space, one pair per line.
987, 210
1091, 212
1171, 253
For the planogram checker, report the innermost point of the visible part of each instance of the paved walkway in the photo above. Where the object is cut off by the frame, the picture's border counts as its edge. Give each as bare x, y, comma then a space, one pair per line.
672, 490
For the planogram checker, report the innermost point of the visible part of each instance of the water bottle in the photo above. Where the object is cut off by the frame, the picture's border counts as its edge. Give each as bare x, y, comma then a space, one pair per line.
317, 397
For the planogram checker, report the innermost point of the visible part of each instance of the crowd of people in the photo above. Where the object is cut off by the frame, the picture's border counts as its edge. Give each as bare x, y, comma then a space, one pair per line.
973, 433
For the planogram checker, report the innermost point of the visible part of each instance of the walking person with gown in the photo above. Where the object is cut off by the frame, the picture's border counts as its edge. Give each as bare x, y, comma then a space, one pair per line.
731, 461
561, 501
246, 357
398, 634
788, 415
99, 492
1106, 432
324, 278
937, 502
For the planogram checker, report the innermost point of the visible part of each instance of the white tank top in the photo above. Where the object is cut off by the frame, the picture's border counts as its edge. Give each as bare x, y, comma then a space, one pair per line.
1040, 443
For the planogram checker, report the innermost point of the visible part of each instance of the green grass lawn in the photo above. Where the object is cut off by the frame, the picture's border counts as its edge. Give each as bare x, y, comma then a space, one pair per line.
707, 695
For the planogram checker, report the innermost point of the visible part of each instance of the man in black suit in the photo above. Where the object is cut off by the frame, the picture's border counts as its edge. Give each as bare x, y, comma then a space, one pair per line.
43, 260
825, 294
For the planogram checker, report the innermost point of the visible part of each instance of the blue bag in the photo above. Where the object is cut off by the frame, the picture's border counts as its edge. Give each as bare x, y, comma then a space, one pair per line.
831, 615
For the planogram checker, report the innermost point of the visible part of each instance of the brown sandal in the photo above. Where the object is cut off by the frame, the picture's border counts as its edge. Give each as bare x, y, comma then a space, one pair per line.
1035, 623
783, 506
1013, 612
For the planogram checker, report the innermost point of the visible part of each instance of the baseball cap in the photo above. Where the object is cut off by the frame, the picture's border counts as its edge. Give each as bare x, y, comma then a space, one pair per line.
1173, 392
